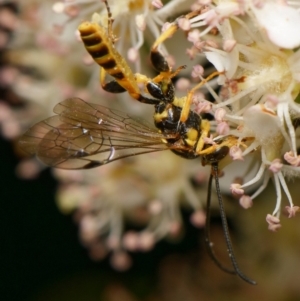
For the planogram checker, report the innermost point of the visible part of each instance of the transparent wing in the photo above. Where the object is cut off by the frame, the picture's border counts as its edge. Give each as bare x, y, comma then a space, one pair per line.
85, 135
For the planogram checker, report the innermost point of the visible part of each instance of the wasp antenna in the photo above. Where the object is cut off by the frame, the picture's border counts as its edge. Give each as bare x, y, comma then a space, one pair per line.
208, 242
215, 171
110, 19
108, 9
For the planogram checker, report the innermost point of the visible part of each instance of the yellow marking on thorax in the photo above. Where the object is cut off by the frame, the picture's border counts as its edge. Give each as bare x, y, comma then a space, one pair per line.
179, 102
192, 136
158, 117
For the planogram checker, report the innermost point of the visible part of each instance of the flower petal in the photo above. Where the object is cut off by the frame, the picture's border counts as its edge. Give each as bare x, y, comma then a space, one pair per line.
281, 23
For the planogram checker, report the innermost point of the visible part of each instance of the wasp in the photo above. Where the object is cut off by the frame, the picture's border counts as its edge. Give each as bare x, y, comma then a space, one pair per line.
173, 115
84, 135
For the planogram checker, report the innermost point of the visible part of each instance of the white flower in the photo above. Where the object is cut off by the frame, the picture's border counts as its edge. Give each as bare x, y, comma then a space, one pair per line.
257, 54
281, 23
265, 127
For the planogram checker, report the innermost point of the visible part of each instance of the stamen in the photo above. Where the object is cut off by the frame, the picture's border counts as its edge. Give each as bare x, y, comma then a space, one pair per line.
274, 222
257, 177
292, 210
278, 194
236, 97
285, 188
261, 187
246, 201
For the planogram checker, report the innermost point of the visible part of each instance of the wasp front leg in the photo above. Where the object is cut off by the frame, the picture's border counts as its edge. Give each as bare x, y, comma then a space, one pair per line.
157, 59
205, 130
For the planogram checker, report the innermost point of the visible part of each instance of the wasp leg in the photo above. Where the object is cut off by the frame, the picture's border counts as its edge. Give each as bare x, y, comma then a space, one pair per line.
110, 22
228, 142
187, 104
186, 107
205, 128
168, 75
157, 59
112, 86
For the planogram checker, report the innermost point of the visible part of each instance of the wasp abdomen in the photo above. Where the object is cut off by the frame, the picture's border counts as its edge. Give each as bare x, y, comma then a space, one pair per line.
99, 45
96, 43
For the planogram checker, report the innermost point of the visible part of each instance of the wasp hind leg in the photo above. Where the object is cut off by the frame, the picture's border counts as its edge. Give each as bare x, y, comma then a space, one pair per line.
112, 86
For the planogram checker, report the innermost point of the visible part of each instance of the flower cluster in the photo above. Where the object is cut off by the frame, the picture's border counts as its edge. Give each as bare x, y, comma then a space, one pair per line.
255, 47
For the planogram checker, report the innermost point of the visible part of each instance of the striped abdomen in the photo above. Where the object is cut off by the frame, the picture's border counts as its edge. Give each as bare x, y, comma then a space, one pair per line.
101, 48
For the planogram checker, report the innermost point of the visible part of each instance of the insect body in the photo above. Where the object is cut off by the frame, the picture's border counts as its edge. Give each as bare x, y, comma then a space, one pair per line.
84, 135
180, 129
172, 115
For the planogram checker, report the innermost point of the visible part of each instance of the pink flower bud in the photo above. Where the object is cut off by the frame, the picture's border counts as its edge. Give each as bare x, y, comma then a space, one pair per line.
236, 189
274, 222
292, 210
198, 218
157, 3
236, 153
275, 166
292, 159
184, 24
198, 70
246, 201
228, 45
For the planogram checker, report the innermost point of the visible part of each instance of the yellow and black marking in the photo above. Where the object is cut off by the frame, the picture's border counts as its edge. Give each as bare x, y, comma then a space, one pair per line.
100, 46
84, 135
173, 116
99, 42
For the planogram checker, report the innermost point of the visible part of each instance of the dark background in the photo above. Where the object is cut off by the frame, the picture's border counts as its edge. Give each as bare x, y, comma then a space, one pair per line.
41, 258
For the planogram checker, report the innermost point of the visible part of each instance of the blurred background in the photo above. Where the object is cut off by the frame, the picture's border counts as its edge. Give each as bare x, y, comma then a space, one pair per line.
42, 259
51, 244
